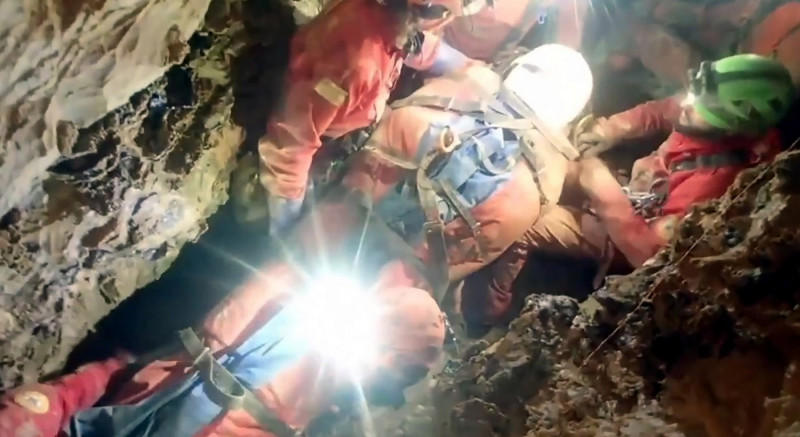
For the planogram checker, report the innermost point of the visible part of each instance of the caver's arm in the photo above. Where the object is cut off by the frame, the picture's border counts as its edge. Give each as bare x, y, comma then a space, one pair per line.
44, 409
652, 117
629, 231
294, 134
645, 119
293, 137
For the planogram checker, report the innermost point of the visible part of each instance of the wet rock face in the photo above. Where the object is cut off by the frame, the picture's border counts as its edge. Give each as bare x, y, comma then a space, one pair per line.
700, 342
118, 143
486, 392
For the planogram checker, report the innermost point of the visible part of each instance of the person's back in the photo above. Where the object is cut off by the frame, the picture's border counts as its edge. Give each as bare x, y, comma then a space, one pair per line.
400, 145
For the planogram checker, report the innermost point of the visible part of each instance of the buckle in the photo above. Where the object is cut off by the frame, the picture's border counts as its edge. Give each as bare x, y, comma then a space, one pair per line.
434, 226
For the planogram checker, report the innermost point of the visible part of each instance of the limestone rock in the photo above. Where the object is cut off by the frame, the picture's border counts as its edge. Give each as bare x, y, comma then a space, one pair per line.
108, 166
700, 342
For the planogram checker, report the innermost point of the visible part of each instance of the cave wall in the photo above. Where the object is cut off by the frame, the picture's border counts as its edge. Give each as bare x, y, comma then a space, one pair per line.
107, 166
701, 342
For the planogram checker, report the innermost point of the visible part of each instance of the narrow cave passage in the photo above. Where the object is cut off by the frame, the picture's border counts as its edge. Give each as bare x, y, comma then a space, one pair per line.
202, 275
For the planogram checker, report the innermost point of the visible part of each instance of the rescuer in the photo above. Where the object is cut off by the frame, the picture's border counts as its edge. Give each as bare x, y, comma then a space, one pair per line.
264, 371
722, 127
497, 28
446, 168
343, 65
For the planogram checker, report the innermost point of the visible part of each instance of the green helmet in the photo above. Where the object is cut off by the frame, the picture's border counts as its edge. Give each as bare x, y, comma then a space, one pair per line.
742, 93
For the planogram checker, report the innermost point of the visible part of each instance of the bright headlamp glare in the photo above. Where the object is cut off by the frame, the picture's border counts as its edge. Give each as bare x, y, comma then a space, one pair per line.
339, 319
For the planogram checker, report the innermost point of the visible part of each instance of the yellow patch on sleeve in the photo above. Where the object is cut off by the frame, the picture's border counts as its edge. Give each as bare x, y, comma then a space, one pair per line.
331, 92
33, 401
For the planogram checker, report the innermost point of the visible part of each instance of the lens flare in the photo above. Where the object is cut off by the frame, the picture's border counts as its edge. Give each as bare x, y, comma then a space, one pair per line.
340, 321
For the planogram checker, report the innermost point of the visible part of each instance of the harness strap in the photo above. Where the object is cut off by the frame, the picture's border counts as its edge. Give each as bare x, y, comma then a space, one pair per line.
378, 234
350, 144
356, 140
497, 120
526, 149
456, 200
557, 139
226, 391
433, 229
717, 160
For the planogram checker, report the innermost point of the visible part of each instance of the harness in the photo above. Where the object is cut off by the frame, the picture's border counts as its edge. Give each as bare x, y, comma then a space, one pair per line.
648, 203
717, 160
226, 391
348, 145
515, 119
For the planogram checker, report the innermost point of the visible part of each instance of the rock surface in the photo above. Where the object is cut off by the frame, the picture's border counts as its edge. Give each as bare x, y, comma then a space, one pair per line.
701, 342
108, 165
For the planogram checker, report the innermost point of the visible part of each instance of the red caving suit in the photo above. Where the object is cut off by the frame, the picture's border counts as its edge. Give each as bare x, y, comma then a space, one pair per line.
568, 231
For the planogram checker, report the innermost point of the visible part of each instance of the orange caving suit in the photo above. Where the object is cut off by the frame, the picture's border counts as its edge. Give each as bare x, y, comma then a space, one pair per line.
337, 230
567, 231
340, 74
339, 78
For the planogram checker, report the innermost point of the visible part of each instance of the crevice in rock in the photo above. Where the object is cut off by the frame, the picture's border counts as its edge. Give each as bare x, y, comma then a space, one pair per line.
95, 206
205, 271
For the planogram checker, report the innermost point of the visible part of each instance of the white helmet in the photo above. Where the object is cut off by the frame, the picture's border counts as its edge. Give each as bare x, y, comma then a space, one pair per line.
554, 81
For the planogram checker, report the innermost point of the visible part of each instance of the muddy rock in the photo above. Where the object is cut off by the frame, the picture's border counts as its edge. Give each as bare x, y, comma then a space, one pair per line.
486, 391
118, 143
699, 342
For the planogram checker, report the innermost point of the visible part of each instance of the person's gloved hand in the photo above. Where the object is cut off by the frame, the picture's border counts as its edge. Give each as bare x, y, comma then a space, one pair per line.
282, 213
